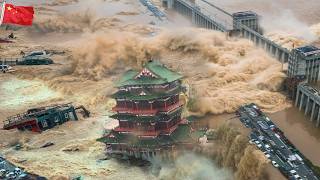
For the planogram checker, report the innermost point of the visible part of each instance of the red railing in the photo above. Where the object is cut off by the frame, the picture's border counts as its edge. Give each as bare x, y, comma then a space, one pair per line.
150, 133
171, 107
137, 132
147, 111
135, 111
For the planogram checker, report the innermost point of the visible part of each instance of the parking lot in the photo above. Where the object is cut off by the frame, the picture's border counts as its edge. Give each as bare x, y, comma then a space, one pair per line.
273, 143
8, 171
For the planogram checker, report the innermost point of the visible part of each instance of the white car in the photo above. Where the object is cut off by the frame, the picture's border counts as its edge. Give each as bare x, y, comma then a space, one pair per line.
11, 176
5, 68
275, 164
36, 53
251, 141
267, 146
2, 173
259, 145
267, 155
293, 172
17, 171
297, 176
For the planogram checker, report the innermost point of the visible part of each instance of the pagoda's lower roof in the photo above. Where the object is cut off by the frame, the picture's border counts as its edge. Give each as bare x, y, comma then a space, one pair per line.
147, 96
132, 117
183, 134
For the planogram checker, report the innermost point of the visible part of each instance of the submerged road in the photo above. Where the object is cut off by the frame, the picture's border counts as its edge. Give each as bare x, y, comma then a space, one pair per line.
276, 147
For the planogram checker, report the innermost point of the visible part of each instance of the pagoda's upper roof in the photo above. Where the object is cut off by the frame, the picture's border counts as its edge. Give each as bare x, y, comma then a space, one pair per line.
153, 73
147, 95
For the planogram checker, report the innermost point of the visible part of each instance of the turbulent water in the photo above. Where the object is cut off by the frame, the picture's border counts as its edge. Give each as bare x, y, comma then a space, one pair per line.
104, 38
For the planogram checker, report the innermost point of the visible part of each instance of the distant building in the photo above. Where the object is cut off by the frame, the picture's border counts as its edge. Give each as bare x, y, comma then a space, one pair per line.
149, 113
304, 63
247, 18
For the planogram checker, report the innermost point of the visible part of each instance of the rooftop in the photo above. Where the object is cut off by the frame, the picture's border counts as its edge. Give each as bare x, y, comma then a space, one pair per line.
309, 50
34, 113
152, 73
146, 95
244, 14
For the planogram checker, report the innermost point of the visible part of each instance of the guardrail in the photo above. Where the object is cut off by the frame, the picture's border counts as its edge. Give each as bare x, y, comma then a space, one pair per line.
9, 61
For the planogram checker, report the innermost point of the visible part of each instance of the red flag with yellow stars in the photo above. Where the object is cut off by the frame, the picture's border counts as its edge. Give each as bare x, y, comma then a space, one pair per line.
21, 15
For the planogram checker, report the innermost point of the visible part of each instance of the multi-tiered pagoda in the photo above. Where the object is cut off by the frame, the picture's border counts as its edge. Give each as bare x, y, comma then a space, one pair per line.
149, 113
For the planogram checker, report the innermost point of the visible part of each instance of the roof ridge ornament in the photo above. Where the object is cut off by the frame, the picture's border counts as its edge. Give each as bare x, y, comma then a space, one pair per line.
146, 73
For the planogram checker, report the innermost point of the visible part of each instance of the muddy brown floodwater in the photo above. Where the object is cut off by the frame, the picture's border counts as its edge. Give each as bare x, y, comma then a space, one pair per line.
297, 128
300, 131
223, 74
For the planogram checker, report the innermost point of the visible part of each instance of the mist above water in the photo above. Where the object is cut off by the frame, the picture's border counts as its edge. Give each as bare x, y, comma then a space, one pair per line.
190, 166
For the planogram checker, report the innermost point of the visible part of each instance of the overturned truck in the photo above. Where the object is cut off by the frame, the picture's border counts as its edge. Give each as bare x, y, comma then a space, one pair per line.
43, 118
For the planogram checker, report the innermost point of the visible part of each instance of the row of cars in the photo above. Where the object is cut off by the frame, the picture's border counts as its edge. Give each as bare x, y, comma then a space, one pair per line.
10, 172
272, 142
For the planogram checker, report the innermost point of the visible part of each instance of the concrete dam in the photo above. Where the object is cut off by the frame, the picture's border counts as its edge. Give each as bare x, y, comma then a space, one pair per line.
303, 62
244, 24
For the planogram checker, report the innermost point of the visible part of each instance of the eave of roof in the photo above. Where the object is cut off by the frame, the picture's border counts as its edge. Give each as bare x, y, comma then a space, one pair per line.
164, 75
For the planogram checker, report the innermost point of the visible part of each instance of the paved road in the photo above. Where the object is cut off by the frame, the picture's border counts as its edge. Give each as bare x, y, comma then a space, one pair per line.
271, 140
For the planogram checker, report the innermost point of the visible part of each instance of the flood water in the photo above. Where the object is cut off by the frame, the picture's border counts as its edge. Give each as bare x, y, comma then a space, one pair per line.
297, 128
300, 131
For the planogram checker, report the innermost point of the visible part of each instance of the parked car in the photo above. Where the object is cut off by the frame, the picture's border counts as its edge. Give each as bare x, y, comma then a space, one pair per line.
297, 177
5, 68
3, 173
11, 175
251, 141
36, 53
267, 155
35, 60
275, 164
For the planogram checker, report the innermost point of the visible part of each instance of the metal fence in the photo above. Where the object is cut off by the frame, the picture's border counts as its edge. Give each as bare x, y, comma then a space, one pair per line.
9, 61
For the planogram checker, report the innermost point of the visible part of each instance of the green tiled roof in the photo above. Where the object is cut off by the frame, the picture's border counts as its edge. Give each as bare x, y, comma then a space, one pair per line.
164, 75
149, 96
182, 134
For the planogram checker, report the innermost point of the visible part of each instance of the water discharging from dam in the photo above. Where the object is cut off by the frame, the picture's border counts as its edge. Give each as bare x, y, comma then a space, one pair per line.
223, 73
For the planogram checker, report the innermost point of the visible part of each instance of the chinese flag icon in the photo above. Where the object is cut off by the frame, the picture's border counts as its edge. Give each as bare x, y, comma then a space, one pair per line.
21, 15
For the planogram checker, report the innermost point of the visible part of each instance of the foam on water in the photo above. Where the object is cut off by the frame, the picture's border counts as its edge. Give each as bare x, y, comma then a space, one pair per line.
16, 93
